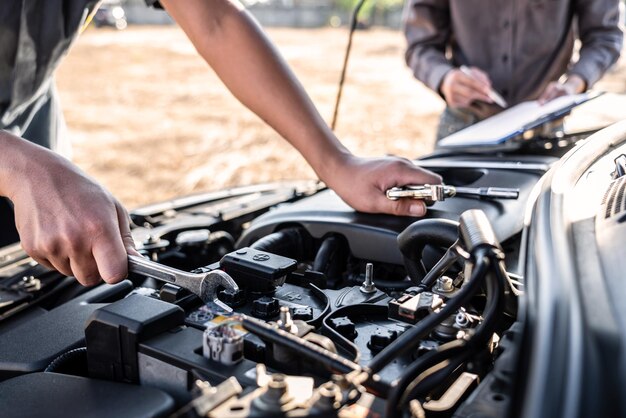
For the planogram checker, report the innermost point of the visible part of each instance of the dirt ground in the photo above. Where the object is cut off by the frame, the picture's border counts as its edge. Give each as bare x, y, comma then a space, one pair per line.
150, 120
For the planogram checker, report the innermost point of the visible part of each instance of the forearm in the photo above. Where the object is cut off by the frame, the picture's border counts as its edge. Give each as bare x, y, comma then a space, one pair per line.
13, 162
601, 39
242, 56
427, 30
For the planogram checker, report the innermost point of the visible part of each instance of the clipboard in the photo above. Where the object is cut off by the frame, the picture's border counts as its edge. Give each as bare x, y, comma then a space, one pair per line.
499, 131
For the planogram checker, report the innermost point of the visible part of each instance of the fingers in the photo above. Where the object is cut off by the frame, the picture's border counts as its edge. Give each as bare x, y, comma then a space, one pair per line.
60, 265
408, 173
92, 249
85, 269
462, 87
90, 252
555, 89
477, 86
403, 207
68, 222
481, 76
377, 176
111, 246
552, 91
124, 225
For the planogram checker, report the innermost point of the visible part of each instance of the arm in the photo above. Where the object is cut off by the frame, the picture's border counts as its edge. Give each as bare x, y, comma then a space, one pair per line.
601, 45
427, 28
600, 36
427, 31
65, 220
235, 47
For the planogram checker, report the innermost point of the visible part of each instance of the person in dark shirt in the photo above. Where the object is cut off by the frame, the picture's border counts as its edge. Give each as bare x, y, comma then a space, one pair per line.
521, 48
67, 221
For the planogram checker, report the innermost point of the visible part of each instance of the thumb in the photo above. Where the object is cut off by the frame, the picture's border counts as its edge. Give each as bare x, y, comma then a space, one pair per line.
402, 207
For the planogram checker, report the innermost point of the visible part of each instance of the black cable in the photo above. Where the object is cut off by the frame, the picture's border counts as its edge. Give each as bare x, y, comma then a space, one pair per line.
394, 284
342, 79
411, 385
431, 379
411, 338
443, 352
299, 345
491, 315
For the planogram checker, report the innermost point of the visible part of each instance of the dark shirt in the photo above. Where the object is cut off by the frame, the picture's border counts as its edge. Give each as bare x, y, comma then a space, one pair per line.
521, 44
34, 36
9, 26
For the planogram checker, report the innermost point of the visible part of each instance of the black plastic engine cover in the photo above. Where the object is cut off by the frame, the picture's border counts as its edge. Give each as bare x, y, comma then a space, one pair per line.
32, 345
373, 237
113, 333
58, 395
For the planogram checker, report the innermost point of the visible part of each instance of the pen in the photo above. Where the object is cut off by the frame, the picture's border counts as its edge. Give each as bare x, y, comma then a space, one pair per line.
493, 95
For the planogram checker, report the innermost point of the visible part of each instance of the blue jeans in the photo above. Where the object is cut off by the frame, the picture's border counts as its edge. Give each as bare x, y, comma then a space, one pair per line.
453, 120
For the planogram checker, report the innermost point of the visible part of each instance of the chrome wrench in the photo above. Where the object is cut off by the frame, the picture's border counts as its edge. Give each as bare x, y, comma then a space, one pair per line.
439, 192
204, 285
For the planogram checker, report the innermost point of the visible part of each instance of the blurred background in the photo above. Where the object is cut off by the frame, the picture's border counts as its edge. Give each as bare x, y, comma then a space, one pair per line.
149, 119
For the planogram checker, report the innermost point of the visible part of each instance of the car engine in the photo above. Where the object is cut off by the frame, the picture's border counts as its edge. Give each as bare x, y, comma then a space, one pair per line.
334, 313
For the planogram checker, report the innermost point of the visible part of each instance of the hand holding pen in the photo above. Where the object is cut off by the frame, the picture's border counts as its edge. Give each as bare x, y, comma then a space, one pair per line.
462, 86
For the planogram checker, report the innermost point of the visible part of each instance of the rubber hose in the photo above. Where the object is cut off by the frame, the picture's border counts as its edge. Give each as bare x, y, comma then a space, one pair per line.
291, 243
413, 240
329, 256
67, 362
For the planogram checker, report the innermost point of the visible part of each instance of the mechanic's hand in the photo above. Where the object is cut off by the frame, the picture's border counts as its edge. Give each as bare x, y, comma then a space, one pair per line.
66, 221
573, 85
461, 89
362, 183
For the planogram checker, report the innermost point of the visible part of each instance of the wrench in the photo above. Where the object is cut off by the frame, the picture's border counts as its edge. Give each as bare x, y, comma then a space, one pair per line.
439, 192
203, 285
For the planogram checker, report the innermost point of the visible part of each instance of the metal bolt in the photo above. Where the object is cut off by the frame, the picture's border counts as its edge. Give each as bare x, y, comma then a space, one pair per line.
368, 284
272, 401
30, 284
278, 381
327, 400
462, 320
445, 284
284, 321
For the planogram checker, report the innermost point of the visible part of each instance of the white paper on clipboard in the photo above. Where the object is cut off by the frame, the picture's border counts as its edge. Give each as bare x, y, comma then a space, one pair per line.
513, 121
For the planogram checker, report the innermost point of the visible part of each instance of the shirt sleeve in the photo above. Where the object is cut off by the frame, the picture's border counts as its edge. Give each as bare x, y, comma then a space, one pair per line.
600, 36
427, 30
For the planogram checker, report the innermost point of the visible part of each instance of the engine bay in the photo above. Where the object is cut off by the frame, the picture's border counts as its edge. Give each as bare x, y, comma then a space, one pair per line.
334, 313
